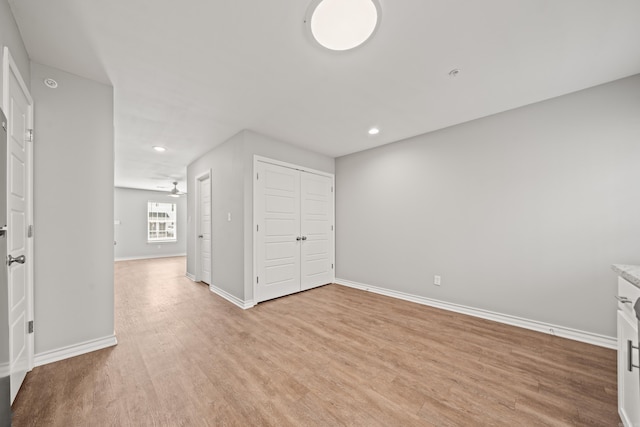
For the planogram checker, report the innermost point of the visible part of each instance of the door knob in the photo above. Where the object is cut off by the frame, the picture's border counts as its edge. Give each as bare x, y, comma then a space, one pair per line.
298, 238
200, 236
304, 237
20, 259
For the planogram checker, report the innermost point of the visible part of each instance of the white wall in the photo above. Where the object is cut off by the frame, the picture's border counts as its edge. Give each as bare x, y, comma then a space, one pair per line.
130, 207
73, 203
10, 36
231, 166
521, 213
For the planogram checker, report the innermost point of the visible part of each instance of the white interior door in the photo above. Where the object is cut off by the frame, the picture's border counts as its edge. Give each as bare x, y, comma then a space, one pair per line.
204, 237
18, 106
277, 206
316, 267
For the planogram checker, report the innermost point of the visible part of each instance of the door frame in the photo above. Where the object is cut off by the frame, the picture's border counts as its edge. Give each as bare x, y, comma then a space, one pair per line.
198, 252
9, 66
257, 159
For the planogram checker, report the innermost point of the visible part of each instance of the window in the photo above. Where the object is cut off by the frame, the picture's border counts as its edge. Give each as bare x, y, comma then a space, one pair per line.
161, 222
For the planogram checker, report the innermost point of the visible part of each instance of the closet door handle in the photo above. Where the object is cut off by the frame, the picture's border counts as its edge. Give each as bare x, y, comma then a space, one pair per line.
304, 237
298, 238
20, 259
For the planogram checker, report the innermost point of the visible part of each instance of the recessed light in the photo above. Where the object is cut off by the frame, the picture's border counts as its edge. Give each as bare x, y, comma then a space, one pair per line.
374, 131
50, 83
159, 148
343, 24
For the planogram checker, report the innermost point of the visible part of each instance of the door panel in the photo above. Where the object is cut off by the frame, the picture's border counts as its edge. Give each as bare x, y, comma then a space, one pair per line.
278, 219
19, 120
18, 292
279, 251
280, 204
281, 274
19, 341
317, 219
316, 268
5, 343
16, 170
205, 229
17, 241
281, 227
316, 247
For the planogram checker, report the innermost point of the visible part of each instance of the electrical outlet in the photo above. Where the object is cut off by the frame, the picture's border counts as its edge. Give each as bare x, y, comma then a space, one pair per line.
436, 280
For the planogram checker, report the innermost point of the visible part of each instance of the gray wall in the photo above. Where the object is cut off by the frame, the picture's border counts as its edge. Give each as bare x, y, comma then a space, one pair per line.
10, 36
130, 207
231, 166
73, 204
225, 162
521, 213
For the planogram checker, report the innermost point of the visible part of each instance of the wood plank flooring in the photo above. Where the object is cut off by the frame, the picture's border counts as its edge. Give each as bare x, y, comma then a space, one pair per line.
331, 356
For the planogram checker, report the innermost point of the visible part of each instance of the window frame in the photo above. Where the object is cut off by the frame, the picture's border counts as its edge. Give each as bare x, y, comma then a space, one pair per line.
162, 225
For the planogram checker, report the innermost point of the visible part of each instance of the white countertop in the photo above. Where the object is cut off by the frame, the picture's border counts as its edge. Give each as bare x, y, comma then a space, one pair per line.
629, 272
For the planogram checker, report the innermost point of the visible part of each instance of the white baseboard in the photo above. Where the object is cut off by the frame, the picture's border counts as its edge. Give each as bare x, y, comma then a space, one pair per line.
74, 350
547, 328
231, 298
191, 277
134, 258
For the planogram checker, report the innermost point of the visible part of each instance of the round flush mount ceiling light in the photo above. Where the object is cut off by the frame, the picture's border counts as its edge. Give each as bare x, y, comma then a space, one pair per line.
159, 149
343, 24
50, 83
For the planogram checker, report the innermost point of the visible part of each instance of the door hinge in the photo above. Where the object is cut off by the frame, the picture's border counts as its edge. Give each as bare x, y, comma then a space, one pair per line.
257, 279
332, 266
257, 176
30, 326
257, 227
332, 228
30, 134
30, 231
332, 189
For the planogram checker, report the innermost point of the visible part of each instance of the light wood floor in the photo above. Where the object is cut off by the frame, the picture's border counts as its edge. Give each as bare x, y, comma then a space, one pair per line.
329, 356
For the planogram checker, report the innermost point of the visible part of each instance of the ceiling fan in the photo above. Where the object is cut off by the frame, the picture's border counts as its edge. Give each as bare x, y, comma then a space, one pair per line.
174, 191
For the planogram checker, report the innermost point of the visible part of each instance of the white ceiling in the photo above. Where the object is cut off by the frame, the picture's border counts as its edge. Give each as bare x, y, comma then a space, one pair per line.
188, 75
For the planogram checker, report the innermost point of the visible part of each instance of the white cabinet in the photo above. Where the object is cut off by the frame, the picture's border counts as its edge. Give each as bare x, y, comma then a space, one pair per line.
628, 355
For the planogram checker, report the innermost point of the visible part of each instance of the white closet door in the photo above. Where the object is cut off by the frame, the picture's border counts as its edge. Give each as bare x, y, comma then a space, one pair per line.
278, 250
317, 219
